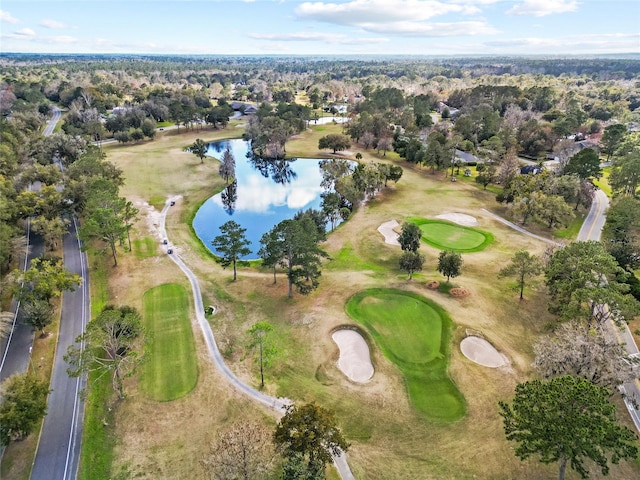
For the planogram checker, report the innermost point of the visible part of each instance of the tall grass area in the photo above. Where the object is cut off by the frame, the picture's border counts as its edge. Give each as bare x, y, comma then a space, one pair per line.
171, 369
98, 437
414, 333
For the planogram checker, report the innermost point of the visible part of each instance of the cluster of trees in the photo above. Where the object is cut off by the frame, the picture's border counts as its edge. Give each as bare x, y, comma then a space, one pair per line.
411, 261
567, 417
272, 125
305, 439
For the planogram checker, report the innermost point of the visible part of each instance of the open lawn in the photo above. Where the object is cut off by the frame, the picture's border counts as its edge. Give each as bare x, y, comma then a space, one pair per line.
449, 236
171, 370
389, 438
414, 333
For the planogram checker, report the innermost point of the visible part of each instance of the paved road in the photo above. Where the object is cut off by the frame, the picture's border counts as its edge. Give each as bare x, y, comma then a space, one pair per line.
59, 442
278, 404
16, 348
59, 446
592, 230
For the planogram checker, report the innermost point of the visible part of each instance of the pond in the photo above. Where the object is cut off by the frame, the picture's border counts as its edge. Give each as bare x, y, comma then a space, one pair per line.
265, 193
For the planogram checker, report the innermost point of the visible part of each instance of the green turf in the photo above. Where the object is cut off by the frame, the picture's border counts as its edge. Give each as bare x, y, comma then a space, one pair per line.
450, 236
144, 247
414, 333
171, 369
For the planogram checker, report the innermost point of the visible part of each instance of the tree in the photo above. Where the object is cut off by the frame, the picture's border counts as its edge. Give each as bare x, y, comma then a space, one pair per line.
129, 214
244, 451
335, 141
585, 164
582, 277
449, 264
113, 343
331, 205
259, 334
297, 242
199, 149
231, 245
23, 404
523, 266
621, 233
271, 251
566, 420
486, 174
38, 313
384, 144
311, 431
586, 353
46, 278
409, 238
106, 223
411, 262
553, 209
611, 138
625, 174
227, 168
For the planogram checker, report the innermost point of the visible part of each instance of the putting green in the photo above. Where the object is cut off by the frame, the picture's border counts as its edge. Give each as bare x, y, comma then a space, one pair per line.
450, 236
414, 333
170, 370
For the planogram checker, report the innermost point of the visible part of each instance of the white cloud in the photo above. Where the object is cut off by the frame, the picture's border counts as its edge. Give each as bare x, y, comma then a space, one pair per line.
541, 8
399, 17
48, 23
570, 44
24, 32
357, 12
418, 29
316, 37
62, 39
6, 17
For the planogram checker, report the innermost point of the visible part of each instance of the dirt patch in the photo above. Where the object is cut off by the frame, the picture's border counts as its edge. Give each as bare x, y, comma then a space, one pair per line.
459, 292
480, 351
459, 218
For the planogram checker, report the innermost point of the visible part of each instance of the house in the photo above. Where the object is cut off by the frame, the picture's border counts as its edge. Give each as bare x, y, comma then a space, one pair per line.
466, 157
531, 169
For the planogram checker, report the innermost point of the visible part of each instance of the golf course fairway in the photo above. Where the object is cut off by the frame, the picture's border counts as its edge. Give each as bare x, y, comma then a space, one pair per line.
413, 333
449, 236
170, 370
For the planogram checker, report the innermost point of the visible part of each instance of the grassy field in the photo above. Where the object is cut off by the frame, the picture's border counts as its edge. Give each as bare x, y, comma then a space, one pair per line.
171, 369
389, 438
414, 334
448, 236
144, 247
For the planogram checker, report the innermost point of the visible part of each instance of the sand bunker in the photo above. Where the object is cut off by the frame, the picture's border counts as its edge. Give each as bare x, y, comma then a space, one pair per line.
354, 360
386, 229
459, 218
480, 351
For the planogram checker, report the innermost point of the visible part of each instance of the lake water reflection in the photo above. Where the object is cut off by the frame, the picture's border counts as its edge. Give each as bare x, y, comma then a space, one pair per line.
264, 194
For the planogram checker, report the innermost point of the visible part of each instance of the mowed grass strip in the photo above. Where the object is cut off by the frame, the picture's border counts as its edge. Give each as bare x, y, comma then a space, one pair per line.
144, 247
414, 333
171, 369
450, 236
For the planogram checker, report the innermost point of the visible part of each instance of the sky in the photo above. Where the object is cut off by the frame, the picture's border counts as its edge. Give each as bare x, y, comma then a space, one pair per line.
330, 27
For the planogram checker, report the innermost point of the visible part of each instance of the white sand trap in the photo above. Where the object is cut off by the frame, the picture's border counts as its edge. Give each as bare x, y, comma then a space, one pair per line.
354, 360
459, 218
480, 351
386, 229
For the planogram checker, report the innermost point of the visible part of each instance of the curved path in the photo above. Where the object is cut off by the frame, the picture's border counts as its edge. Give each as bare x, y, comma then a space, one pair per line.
277, 404
520, 229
